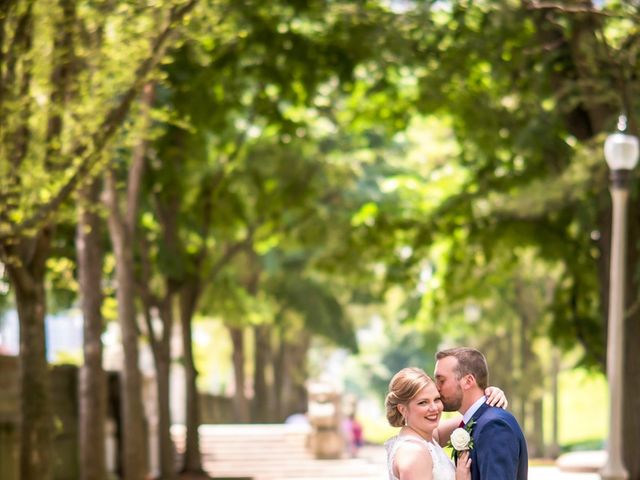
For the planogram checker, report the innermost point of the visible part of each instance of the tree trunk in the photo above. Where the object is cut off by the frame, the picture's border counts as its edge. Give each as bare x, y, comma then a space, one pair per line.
134, 452
498, 357
134, 446
161, 348
279, 372
537, 438
167, 449
554, 449
300, 373
26, 271
602, 264
263, 405
241, 404
36, 431
294, 391
160, 342
531, 372
93, 392
25, 254
192, 458
122, 228
262, 347
510, 354
524, 381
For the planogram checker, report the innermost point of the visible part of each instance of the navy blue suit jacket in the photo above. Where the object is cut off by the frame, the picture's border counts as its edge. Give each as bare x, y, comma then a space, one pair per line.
499, 449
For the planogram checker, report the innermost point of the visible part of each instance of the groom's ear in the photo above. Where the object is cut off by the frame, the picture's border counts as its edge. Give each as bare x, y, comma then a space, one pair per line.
469, 381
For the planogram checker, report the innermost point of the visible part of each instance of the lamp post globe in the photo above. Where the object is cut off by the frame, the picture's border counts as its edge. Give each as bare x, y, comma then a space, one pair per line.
621, 151
621, 154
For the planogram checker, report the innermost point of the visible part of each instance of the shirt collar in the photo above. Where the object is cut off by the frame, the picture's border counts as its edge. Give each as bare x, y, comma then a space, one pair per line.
473, 409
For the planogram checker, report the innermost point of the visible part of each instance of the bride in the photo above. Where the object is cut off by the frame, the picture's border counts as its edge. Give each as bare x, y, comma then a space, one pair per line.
413, 403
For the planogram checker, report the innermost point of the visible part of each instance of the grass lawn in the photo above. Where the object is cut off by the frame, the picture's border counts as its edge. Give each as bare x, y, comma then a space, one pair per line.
583, 409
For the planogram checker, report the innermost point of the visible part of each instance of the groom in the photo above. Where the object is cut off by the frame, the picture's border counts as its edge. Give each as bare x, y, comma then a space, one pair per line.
499, 449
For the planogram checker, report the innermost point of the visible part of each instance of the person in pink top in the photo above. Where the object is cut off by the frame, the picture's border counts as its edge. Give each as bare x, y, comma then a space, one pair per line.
354, 434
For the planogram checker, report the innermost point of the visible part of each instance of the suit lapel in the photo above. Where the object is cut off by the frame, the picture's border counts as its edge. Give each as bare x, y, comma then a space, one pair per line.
478, 413
474, 418
475, 472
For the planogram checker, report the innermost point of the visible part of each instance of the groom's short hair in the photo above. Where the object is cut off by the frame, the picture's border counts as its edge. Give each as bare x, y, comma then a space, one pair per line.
470, 362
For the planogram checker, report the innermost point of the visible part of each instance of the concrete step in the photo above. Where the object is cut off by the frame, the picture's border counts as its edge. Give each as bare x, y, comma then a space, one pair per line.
277, 452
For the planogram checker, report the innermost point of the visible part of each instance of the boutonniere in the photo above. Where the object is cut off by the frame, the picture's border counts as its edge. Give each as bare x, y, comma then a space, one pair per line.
461, 439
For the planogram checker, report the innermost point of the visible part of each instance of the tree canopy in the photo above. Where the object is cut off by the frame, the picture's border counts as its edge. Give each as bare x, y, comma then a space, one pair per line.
290, 167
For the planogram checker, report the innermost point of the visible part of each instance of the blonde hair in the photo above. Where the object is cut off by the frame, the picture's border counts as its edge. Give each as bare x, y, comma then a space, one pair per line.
404, 385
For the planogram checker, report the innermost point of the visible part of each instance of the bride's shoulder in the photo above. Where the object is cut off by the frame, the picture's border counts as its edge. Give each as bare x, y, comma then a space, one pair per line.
415, 443
408, 442
412, 456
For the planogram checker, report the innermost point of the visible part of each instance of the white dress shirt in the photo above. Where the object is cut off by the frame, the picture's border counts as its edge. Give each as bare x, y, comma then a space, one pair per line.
473, 409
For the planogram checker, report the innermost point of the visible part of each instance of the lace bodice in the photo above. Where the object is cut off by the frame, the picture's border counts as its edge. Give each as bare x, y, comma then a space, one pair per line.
443, 468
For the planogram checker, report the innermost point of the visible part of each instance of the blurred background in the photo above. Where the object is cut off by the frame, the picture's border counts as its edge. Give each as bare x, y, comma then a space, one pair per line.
254, 213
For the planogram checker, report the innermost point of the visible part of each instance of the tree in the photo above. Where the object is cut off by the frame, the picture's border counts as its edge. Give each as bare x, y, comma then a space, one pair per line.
93, 385
40, 171
225, 85
122, 221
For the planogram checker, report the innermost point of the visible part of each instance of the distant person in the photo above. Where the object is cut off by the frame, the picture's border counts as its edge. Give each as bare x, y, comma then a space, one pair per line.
499, 449
353, 434
414, 404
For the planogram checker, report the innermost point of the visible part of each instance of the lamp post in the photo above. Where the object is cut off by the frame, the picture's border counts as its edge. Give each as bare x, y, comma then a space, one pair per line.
621, 153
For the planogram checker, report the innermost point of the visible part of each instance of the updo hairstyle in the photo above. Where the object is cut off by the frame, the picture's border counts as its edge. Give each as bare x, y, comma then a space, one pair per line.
403, 387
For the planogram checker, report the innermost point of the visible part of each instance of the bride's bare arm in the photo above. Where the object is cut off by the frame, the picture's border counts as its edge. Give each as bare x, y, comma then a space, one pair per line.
412, 462
445, 427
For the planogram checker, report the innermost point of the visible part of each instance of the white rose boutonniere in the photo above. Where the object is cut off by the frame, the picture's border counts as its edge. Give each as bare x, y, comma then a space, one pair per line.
460, 439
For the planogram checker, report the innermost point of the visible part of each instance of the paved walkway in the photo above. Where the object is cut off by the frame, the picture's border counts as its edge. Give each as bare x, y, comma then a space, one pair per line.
278, 452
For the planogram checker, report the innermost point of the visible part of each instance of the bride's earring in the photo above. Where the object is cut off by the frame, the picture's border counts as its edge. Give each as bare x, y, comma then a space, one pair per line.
404, 418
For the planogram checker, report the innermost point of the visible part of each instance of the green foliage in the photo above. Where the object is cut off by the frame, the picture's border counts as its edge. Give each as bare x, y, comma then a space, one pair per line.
58, 114
318, 306
529, 162
257, 139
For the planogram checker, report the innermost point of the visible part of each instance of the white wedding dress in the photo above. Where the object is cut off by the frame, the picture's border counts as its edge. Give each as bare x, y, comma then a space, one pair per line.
443, 468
